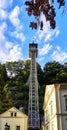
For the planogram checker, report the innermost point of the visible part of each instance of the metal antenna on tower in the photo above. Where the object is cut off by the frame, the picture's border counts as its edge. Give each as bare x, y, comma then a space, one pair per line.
34, 38
33, 108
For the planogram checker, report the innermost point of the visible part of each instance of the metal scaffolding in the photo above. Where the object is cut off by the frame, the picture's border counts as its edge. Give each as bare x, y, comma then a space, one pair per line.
33, 108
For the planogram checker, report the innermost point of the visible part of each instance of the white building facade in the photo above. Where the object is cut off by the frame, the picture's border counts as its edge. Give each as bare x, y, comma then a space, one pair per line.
13, 119
55, 107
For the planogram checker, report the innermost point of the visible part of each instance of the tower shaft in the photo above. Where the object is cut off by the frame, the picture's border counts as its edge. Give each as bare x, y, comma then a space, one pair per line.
33, 108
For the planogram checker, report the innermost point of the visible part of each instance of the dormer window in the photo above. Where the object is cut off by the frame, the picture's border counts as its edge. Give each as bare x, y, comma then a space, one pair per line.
13, 114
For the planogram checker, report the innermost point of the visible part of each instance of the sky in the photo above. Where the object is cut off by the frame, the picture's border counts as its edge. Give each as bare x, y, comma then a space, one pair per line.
15, 34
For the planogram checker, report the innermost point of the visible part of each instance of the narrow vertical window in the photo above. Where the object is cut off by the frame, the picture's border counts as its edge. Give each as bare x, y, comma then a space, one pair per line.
15, 114
66, 103
11, 113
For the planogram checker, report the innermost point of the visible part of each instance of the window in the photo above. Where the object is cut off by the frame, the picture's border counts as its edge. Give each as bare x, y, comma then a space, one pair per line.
15, 114
7, 127
66, 103
11, 113
17, 127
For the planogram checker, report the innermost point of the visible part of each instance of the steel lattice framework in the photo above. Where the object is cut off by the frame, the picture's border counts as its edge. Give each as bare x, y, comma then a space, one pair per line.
33, 108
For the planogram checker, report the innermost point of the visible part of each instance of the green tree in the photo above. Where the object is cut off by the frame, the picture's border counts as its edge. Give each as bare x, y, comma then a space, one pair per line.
27, 67
22, 96
3, 75
61, 77
40, 75
19, 72
5, 98
45, 7
15, 72
13, 68
51, 70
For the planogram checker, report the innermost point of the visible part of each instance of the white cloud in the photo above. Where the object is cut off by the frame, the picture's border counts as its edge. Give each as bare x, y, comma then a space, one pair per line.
57, 32
9, 51
12, 53
5, 3
58, 48
47, 34
3, 27
15, 20
45, 49
14, 17
8, 45
41, 59
48, 37
3, 14
59, 55
18, 35
15, 53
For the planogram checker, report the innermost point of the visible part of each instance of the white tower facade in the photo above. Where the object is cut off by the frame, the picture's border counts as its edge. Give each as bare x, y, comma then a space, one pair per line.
33, 108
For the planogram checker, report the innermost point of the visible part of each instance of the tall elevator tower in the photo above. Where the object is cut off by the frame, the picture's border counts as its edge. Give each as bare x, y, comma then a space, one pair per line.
33, 108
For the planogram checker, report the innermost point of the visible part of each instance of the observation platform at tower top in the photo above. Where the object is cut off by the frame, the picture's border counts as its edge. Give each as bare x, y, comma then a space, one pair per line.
33, 47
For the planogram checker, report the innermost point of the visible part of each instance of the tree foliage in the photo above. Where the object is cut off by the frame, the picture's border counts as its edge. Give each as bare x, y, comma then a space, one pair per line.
52, 72
6, 101
14, 68
37, 7
5, 94
3, 75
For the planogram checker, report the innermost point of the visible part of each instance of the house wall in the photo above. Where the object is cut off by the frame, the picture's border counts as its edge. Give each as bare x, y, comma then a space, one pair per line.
63, 96
19, 119
13, 122
50, 106
58, 119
